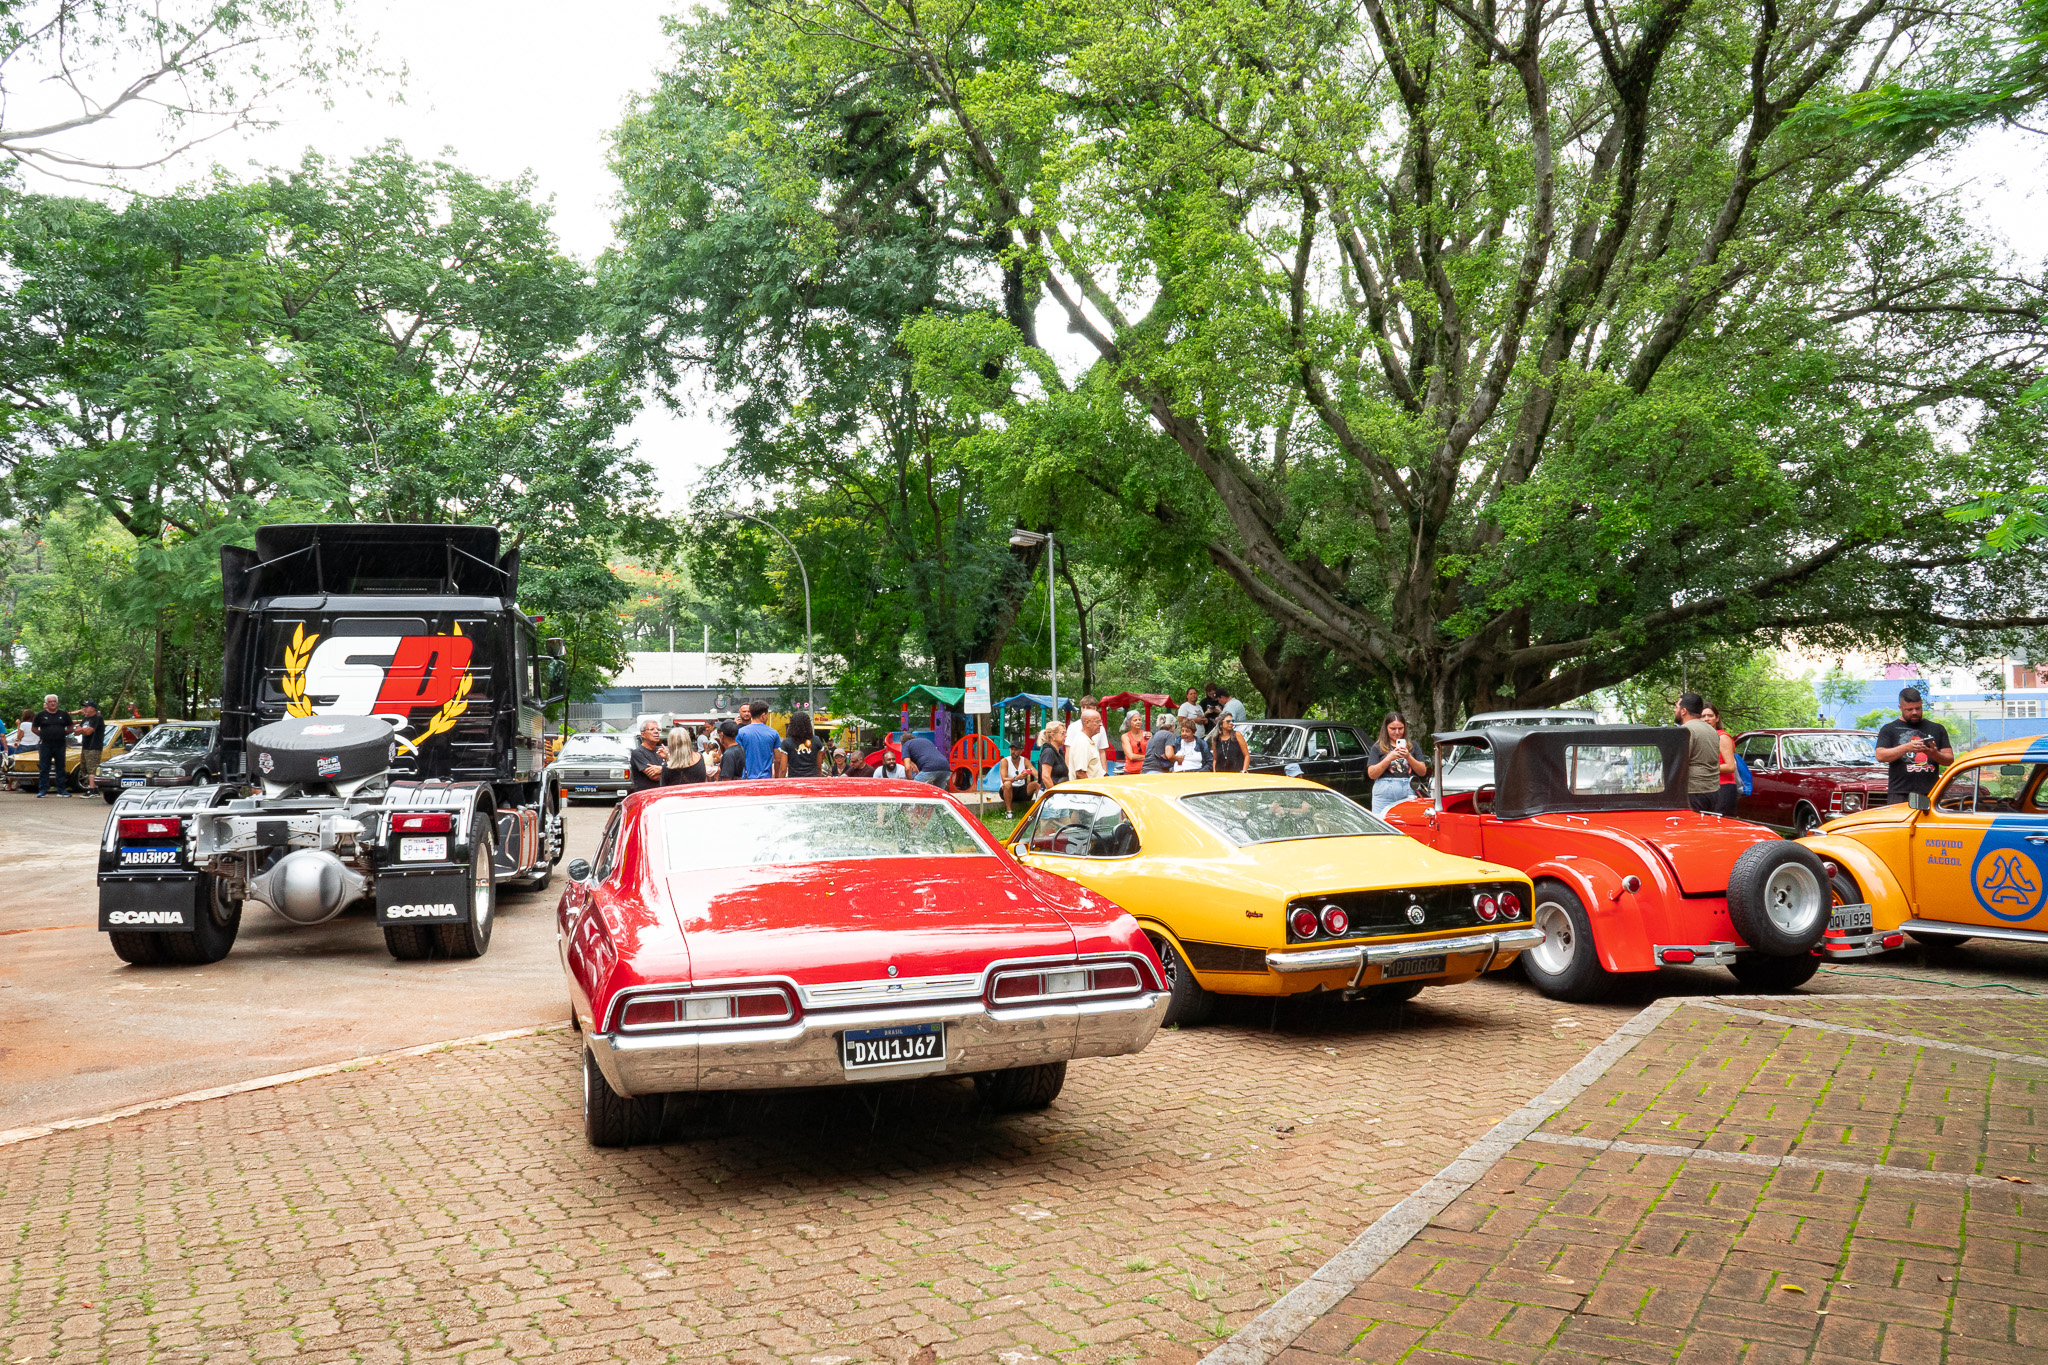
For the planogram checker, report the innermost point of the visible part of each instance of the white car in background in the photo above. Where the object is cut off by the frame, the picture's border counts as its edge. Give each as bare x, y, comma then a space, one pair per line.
1469, 769
591, 767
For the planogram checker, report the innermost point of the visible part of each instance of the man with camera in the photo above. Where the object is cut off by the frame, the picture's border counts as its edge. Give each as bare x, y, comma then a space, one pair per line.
1914, 748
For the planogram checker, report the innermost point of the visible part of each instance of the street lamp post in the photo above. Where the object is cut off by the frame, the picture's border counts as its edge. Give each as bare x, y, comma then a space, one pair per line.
810, 678
1024, 540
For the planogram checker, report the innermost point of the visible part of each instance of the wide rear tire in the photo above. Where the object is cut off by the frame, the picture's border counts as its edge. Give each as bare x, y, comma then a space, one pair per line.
219, 920
1779, 898
1021, 1088
411, 942
1189, 1002
609, 1118
472, 937
140, 950
1774, 975
1565, 966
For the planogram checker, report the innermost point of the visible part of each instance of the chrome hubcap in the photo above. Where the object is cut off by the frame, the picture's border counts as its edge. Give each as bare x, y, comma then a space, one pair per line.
1560, 945
481, 891
1792, 898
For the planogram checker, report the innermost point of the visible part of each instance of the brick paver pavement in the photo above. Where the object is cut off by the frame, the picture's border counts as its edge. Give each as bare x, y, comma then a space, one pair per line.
446, 1207
1746, 1189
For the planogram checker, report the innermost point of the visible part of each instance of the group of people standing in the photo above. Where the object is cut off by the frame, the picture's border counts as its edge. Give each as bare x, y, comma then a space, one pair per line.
748, 749
47, 733
1200, 736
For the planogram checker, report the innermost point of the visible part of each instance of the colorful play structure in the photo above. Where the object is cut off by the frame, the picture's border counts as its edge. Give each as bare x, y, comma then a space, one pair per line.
1015, 720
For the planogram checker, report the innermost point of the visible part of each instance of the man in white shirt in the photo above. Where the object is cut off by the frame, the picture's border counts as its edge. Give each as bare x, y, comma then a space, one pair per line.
1087, 743
1191, 709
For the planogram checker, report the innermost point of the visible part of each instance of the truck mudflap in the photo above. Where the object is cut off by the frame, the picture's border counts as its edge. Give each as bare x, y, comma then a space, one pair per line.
440, 897
162, 905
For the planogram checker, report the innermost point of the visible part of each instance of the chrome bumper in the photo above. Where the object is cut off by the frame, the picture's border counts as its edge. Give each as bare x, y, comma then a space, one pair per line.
1363, 955
806, 1053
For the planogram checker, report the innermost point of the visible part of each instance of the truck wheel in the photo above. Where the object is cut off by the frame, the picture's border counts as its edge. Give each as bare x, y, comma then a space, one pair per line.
1779, 898
472, 937
1021, 1088
219, 920
1189, 1003
1774, 975
609, 1118
141, 950
1565, 966
411, 942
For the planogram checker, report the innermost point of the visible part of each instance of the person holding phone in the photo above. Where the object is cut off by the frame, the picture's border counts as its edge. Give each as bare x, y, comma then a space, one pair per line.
1392, 764
1914, 748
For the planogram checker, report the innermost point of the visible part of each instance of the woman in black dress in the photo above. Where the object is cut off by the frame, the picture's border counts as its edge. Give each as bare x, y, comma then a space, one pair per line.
800, 746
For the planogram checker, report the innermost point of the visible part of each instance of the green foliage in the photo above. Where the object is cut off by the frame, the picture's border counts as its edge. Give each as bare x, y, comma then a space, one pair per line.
1490, 355
389, 340
1745, 686
1997, 73
1874, 720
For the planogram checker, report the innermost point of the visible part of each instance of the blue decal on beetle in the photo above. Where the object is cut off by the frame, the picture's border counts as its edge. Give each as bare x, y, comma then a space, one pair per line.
2006, 878
2037, 752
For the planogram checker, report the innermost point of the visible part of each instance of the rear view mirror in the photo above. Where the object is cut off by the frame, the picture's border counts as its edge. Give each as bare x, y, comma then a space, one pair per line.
1918, 801
579, 869
2012, 770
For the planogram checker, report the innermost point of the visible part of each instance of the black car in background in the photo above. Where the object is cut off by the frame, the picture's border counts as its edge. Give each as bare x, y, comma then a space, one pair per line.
1325, 751
176, 753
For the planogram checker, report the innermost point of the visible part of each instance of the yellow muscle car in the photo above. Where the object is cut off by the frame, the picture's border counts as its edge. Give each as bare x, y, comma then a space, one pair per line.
1256, 885
1967, 863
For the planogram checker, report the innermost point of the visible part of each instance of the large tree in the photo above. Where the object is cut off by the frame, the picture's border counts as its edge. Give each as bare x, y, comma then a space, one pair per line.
1499, 351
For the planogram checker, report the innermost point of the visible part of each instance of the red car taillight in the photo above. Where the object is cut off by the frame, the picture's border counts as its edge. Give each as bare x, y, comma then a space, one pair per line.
152, 827
1304, 922
1053, 983
422, 822
1510, 905
1335, 922
1485, 907
710, 1009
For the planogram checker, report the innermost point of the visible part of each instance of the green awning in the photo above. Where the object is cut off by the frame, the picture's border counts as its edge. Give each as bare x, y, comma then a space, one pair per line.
949, 697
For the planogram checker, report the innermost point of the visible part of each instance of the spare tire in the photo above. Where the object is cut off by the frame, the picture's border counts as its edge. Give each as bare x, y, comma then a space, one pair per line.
1779, 899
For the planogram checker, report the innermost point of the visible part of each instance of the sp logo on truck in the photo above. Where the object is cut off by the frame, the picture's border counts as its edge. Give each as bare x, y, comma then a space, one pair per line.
380, 675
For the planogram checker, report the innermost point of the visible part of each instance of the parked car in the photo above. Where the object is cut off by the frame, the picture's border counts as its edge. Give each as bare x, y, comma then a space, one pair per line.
748, 935
1628, 877
1276, 886
1328, 752
1967, 863
1473, 768
175, 753
594, 765
1799, 778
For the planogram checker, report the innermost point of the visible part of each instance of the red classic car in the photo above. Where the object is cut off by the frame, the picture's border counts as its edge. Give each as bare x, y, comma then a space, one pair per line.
770, 935
1628, 877
1801, 778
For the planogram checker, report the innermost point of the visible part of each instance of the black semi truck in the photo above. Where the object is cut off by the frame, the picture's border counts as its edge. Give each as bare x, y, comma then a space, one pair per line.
382, 740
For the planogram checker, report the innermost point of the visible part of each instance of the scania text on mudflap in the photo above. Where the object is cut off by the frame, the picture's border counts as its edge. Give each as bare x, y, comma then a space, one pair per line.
382, 705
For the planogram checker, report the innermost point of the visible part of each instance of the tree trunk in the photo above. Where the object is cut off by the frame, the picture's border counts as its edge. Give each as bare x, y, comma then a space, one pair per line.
1281, 680
156, 673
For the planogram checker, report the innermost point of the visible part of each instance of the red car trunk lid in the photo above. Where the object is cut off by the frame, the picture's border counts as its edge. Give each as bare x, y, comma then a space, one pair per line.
834, 922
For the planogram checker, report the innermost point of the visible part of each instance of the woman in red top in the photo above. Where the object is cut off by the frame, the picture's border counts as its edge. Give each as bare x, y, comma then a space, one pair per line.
1134, 742
1730, 790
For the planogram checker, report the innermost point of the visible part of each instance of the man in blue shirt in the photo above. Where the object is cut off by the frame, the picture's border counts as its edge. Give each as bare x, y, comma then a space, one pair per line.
760, 743
928, 762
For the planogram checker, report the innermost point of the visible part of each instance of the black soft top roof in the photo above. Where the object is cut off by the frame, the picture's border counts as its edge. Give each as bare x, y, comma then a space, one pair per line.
352, 559
1533, 769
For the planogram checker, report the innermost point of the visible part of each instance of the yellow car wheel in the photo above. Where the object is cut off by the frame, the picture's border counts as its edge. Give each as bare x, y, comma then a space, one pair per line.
1190, 1002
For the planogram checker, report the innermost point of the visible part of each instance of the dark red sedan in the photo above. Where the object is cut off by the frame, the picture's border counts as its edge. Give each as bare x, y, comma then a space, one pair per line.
783, 934
1800, 779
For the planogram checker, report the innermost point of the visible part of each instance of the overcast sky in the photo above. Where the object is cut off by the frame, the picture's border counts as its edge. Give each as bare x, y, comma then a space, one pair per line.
513, 85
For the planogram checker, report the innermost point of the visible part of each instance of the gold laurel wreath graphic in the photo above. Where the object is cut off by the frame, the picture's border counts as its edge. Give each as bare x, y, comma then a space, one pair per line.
445, 718
296, 655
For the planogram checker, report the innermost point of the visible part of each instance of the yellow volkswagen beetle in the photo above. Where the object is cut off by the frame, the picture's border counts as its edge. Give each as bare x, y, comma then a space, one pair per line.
1255, 885
1971, 863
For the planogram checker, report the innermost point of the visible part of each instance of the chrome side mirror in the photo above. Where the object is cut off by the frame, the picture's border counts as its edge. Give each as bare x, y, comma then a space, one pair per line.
579, 869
